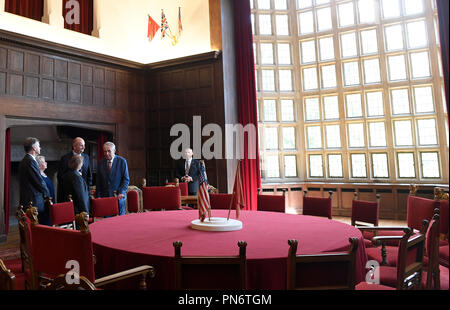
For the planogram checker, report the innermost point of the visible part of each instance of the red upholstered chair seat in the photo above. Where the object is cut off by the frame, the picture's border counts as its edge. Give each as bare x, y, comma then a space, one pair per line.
133, 201
62, 213
220, 201
444, 278
183, 189
161, 197
317, 206
443, 255
273, 203
103, 207
374, 253
364, 286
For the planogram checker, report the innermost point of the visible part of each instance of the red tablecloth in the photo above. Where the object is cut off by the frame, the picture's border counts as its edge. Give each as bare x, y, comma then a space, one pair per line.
124, 242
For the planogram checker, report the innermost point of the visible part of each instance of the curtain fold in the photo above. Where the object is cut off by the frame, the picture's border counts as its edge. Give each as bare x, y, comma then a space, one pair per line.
86, 16
33, 9
7, 177
246, 93
443, 8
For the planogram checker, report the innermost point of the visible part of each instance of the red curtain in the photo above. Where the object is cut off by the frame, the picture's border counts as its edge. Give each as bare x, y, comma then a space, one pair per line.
246, 92
86, 16
442, 8
7, 176
27, 8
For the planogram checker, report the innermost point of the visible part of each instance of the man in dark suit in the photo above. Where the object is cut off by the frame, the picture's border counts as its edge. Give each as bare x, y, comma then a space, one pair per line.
78, 147
32, 187
188, 170
112, 176
75, 185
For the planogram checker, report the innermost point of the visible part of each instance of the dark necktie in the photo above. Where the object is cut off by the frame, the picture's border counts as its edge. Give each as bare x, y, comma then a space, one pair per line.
109, 165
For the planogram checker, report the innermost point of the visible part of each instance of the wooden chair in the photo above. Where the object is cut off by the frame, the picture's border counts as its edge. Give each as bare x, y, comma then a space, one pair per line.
7, 278
408, 272
24, 224
273, 203
317, 206
365, 213
51, 258
432, 274
184, 191
441, 196
161, 198
331, 271
104, 207
62, 214
206, 273
220, 201
133, 202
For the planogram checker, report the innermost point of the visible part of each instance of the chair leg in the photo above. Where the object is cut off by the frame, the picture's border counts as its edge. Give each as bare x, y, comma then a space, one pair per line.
384, 261
143, 282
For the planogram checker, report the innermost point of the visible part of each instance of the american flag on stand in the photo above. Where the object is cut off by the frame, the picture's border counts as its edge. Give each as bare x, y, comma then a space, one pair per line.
164, 24
203, 203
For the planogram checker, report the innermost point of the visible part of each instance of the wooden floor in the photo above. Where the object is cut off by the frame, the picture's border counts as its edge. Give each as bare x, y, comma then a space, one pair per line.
13, 238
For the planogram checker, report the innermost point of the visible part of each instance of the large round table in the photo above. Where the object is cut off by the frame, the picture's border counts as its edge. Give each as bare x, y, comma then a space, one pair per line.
128, 241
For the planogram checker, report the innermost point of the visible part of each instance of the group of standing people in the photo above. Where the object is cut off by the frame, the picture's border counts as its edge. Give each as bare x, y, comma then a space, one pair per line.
74, 178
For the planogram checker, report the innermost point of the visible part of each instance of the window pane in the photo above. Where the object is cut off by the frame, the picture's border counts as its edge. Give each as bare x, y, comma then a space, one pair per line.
390, 8
417, 34
280, 4
377, 134
348, 45
319, 2
326, 48
328, 76
312, 109
358, 165
427, 131
271, 138
290, 166
266, 53
372, 71
423, 98
331, 107
287, 110
308, 51
288, 138
314, 137
400, 101
351, 73
335, 165
284, 53
285, 80
346, 15
420, 66
369, 43
264, 4
333, 134
282, 23
315, 166
430, 165
301, 4
397, 69
310, 78
268, 80
353, 105
324, 19
270, 110
406, 167
375, 105
393, 37
403, 133
265, 24
413, 7
306, 23
272, 166
366, 9
356, 135
380, 165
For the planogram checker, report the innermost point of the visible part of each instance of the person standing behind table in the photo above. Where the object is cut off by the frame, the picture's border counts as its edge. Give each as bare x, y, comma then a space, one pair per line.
75, 185
32, 187
188, 170
78, 146
112, 176
42, 167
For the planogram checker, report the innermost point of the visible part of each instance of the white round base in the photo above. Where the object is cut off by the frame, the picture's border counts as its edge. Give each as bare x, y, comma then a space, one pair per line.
216, 224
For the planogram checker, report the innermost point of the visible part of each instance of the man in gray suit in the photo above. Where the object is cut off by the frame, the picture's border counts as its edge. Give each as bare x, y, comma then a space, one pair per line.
32, 187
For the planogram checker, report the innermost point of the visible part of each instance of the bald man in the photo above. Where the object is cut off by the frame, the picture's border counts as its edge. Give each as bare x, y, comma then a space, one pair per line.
78, 146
